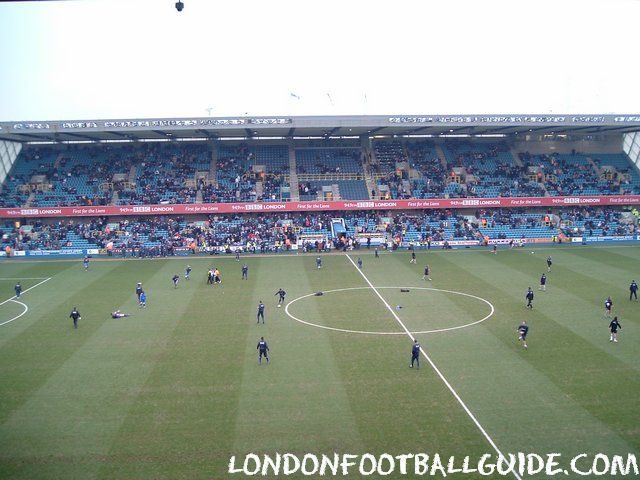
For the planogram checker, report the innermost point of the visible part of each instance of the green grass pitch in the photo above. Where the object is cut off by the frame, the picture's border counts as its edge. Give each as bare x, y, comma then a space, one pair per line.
175, 390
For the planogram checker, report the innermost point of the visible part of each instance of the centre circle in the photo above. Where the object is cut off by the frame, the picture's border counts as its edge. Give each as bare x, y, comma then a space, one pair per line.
364, 332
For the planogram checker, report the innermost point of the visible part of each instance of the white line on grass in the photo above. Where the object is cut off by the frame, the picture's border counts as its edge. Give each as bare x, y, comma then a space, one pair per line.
26, 309
435, 368
23, 278
363, 332
13, 299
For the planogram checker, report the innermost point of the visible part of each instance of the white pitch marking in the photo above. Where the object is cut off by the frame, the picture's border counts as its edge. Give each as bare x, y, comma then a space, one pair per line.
26, 309
435, 368
364, 332
13, 299
23, 278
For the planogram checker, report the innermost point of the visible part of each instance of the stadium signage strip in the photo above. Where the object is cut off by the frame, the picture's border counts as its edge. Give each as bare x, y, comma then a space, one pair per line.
435, 120
215, 208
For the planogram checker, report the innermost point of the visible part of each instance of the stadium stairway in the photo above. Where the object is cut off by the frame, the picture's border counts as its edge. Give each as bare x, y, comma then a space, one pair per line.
133, 172
372, 186
294, 185
213, 166
56, 163
30, 198
442, 157
516, 157
594, 165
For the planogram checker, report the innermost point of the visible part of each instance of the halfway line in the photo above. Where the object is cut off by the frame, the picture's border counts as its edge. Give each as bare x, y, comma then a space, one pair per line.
13, 299
435, 368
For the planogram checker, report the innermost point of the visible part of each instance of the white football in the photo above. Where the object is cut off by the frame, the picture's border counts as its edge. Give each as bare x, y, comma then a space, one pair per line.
531, 253
279, 305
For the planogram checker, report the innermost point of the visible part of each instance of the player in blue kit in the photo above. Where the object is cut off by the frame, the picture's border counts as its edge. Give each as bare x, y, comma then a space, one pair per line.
608, 304
263, 350
85, 263
142, 300
415, 354
282, 294
75, 316
529, 297
260, 312
427, 272
523, 329
613, 328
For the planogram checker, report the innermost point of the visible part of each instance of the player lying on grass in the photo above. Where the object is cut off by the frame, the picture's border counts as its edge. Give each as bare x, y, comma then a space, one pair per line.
119, 314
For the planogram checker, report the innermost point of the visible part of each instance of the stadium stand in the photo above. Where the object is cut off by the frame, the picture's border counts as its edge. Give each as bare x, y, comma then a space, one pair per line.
160, 235
170, 172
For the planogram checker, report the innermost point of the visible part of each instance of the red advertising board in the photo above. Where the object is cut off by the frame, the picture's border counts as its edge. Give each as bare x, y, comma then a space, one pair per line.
317, 206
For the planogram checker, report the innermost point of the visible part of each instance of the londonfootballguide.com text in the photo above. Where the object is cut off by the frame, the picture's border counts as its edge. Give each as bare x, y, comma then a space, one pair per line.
424, 464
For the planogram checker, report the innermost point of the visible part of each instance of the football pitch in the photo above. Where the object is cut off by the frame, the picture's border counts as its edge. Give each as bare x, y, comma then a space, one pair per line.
175, 390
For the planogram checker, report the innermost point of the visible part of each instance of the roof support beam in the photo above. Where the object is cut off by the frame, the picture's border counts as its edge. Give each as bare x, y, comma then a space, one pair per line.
78, 135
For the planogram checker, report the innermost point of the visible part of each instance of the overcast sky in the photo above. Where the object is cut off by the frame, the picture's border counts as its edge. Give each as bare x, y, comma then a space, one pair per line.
91, 59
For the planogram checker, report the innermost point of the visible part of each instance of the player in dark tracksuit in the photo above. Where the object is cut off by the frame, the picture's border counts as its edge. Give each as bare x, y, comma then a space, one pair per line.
523, 329
245, 272
415, 354
633, 290
282, 294
18, 289
138, 290
263, 350
318, 262
187, 272
543, 283
75, 316
426, 273
613, 328
529, 297
85, 263
175, 279
260, 312
608, 303
377, 255
549, 263
359, 263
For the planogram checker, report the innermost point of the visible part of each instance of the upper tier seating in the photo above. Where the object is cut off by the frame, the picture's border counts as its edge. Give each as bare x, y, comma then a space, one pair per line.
328, 160
166, 172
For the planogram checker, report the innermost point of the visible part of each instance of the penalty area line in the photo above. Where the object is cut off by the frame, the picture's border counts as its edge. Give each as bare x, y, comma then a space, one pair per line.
435, 368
